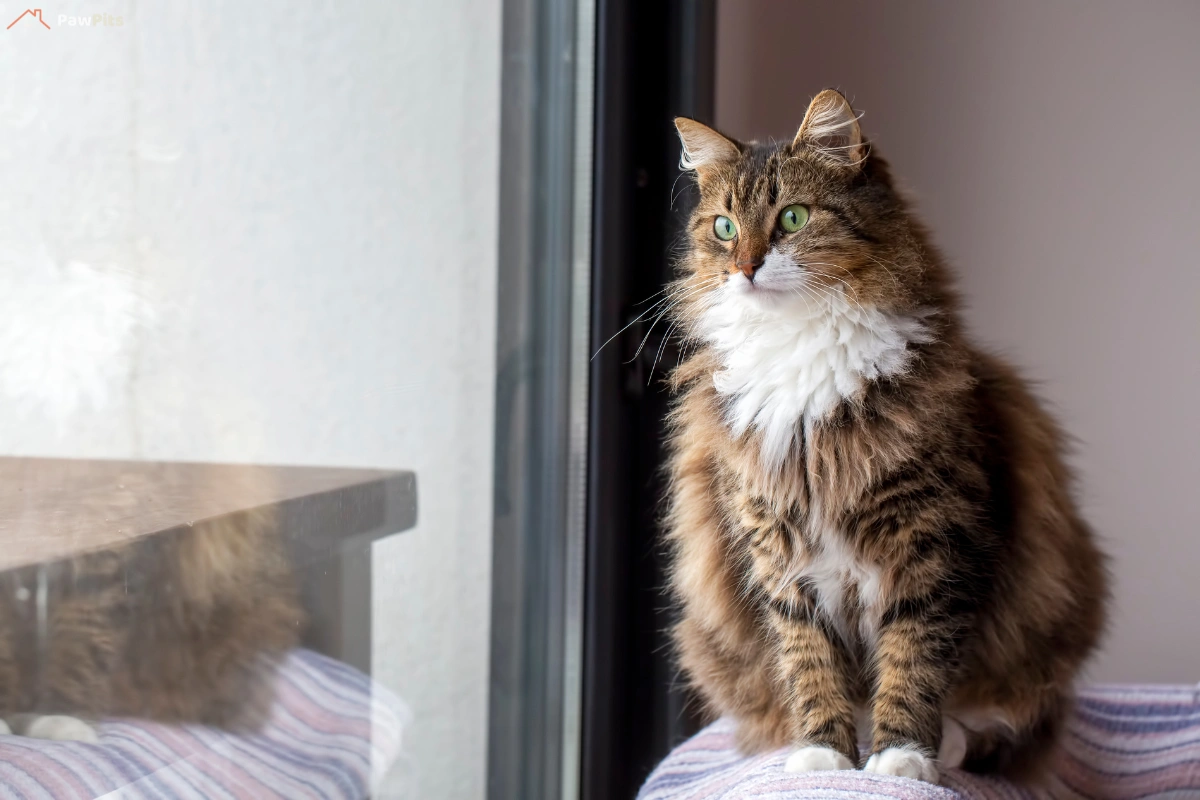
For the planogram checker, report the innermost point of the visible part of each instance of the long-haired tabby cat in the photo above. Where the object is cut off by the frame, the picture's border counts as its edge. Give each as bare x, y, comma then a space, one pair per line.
868, 513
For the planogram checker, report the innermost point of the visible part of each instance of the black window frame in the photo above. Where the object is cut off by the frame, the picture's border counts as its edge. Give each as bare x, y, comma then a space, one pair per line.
583, 696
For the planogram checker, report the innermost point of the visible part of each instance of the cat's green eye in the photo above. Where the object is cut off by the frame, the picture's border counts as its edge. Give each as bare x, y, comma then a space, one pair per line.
724, 229
793, 218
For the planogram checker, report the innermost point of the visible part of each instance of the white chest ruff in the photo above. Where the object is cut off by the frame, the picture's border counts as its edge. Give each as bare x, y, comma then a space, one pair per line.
796, 360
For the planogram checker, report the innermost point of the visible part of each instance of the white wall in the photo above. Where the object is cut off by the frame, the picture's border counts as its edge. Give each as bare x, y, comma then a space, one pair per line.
286, 219
1051, 147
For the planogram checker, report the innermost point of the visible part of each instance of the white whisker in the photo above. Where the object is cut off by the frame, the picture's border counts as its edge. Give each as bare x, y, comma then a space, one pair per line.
666, 338
627, 326
675, 303
885, 269
649, 310
855, 299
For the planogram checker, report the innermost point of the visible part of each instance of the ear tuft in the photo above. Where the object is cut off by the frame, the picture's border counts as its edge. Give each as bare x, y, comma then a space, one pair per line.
831, 127
702, 146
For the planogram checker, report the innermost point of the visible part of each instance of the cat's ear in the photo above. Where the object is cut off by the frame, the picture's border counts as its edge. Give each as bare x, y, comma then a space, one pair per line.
703, 148
831, 127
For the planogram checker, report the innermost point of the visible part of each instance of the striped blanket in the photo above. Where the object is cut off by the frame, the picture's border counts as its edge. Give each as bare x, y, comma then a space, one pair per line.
332, 734
1123, 742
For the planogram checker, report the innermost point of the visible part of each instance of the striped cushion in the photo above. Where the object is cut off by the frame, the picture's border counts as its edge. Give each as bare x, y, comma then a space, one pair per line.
332, 733
1124, 742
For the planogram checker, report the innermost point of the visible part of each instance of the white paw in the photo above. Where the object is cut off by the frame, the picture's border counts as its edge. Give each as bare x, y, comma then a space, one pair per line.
953, 751
62, 729
814, 758
4, 729
904, 763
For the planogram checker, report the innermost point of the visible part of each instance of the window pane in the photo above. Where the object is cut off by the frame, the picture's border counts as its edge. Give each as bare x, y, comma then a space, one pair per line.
249, 283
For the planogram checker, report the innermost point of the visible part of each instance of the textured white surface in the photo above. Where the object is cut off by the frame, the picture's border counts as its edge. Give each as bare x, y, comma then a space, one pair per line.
305, 196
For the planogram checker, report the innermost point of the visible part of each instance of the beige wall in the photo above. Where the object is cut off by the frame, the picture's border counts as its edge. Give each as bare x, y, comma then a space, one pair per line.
1054, 148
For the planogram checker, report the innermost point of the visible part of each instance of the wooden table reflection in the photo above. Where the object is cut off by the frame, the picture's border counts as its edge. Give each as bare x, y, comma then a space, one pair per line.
171, 576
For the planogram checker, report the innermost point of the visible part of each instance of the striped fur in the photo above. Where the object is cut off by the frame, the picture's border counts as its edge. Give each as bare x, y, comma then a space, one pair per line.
908, 545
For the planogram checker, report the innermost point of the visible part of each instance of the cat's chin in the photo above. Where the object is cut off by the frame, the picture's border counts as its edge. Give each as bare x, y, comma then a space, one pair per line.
757, 292
771, 297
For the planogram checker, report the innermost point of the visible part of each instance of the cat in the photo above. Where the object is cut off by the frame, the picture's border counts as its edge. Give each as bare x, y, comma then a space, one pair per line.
866, 513
187, 626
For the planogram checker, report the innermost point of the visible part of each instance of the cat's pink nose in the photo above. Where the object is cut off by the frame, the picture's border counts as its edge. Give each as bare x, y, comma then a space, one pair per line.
748, 268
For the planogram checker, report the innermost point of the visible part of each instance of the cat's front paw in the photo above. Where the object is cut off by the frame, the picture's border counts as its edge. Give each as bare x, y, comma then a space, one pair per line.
814, 758
903, 762
61, 729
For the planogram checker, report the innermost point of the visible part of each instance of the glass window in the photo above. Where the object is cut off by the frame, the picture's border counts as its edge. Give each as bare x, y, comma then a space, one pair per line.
286, 341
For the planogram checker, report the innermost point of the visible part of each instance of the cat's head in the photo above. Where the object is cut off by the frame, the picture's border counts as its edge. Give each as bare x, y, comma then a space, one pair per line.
799, 225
